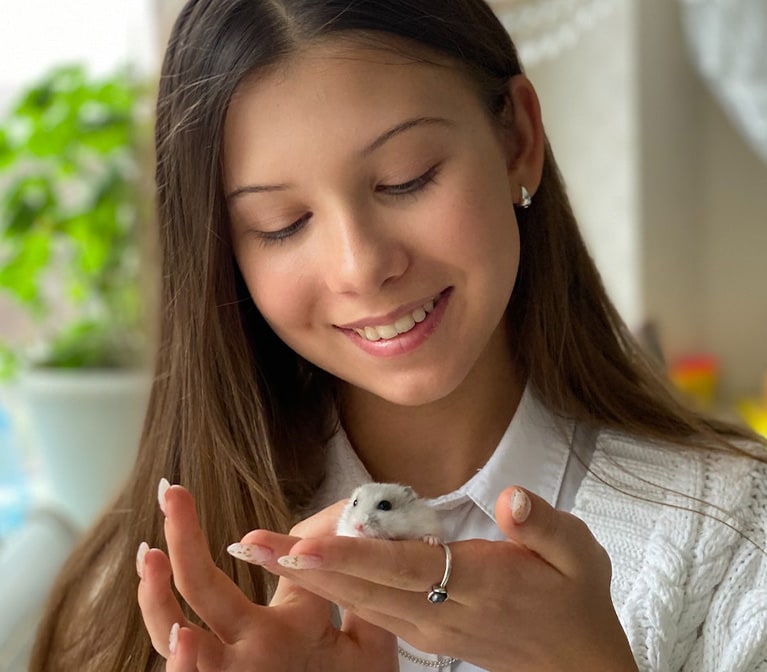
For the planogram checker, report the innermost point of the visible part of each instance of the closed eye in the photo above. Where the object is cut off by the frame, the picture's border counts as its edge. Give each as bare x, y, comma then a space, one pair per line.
281, 235
411, 186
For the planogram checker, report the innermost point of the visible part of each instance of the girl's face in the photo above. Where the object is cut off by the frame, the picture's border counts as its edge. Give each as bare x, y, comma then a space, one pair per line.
370, 196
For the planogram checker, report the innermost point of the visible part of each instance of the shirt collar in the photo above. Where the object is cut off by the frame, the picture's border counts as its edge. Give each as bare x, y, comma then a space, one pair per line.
532, 453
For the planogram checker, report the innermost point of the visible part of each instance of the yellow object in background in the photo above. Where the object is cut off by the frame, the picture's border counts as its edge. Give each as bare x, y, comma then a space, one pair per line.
696, 376
755, 415
754, 411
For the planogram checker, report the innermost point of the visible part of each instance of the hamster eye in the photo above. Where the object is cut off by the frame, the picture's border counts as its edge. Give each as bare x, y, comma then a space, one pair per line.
355, 502
384, 505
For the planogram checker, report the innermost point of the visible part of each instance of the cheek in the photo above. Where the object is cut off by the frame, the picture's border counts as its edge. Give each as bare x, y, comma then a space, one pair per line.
483, 226
279, 292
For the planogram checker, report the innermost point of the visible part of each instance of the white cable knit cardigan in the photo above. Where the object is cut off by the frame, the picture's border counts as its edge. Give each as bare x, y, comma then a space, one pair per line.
690, 588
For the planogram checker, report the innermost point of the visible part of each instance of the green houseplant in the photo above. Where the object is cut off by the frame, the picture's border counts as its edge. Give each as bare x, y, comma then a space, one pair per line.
74, 194
72, 198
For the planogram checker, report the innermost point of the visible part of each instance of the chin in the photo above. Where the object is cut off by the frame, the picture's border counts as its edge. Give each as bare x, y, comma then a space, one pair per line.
413, 393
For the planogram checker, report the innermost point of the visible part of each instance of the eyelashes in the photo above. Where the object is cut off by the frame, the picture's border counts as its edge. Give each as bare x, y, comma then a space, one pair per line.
410, 189
281, 235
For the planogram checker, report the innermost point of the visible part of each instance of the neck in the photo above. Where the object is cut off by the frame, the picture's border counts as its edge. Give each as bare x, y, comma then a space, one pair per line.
436, 447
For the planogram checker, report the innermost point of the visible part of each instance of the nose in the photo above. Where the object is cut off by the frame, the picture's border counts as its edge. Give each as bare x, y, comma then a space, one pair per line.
365, 254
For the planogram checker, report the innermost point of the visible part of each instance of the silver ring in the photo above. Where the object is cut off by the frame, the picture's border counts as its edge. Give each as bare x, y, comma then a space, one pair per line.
438, 592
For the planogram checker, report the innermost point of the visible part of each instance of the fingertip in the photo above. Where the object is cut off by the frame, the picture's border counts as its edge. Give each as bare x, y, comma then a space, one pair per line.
520, 513
182, 645
520, 505
174, 496
513, 507
156, 574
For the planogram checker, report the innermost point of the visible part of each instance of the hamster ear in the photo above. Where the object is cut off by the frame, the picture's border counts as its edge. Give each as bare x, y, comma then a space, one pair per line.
410, 494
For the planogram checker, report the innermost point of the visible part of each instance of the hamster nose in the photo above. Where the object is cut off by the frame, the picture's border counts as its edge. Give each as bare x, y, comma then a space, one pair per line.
359, 527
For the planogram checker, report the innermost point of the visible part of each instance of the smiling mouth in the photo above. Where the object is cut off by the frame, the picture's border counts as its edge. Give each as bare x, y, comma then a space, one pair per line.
385, 332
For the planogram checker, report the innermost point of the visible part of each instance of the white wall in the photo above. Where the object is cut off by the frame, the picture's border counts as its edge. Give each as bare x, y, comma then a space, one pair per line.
35, 34
703, 210
588, 99
671, 200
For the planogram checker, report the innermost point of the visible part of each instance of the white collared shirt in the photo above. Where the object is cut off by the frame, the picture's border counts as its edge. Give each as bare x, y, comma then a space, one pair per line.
534, 453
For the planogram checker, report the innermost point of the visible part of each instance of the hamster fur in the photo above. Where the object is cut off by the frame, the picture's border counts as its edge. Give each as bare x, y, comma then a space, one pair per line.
389, 511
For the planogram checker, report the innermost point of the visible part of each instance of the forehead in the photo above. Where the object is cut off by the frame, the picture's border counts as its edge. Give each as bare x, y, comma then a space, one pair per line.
356, 50
339, 92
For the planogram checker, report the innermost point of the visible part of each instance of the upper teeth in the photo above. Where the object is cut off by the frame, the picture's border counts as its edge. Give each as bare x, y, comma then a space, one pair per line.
402, 325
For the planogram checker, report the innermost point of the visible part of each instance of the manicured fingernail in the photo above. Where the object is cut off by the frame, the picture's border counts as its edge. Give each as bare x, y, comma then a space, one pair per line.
300, 561
253, 553
143, 547
173, 639
162, 488
520, 506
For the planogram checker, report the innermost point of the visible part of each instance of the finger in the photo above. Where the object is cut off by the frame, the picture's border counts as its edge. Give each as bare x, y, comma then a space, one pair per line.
322, 523
405, 565
184, 656
262, 547
561, 539
158, 604
386, 608
208, 590
160, 610
266, 546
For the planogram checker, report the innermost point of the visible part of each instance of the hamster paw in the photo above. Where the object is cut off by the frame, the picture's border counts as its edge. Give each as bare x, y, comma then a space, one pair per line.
432, 540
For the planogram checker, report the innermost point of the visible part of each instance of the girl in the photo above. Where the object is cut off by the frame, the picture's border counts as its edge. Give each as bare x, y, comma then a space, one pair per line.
371, 272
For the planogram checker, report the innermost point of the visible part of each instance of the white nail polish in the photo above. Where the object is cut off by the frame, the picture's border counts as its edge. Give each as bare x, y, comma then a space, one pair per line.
300, 561
173, 639
520, 506
142, 551
162, 488
253, 553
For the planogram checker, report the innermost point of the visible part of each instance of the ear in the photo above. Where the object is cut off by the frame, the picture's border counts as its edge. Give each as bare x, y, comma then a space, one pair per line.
524, 139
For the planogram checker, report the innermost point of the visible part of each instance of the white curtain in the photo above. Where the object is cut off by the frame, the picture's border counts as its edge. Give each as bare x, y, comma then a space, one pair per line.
544, 29
728, 42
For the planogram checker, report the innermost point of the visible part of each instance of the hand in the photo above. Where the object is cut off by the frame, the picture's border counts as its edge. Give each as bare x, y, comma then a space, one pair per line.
537, 602
294, 633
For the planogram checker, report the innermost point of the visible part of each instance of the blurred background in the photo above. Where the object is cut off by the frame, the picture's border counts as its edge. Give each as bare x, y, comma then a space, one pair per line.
657, 112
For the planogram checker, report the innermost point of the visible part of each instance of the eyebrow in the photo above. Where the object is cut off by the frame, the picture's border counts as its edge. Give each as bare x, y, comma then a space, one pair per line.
369, 149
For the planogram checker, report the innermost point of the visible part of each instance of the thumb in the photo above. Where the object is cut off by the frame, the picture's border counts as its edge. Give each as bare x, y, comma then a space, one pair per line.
560, 538
320, 524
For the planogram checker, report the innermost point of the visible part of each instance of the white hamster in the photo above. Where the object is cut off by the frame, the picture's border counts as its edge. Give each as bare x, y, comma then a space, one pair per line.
389, 511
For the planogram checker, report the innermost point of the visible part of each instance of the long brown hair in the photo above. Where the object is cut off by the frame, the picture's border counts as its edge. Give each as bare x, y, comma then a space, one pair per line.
234, 414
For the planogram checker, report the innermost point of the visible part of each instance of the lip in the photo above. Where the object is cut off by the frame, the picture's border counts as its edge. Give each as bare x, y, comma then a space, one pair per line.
408, 342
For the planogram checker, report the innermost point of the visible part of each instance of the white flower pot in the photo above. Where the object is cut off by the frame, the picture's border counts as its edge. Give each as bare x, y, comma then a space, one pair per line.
84, 426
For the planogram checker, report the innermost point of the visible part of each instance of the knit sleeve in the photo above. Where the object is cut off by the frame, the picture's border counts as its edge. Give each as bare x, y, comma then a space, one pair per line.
733, 635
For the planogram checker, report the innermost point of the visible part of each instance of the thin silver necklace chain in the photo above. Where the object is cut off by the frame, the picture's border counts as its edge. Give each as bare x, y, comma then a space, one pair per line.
435, 664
